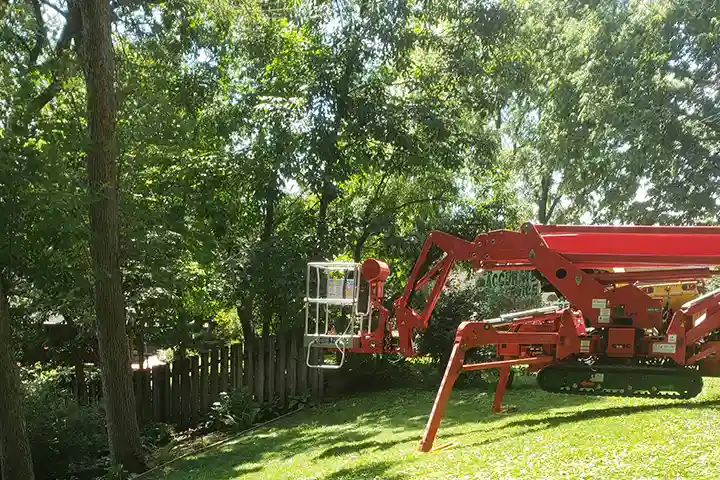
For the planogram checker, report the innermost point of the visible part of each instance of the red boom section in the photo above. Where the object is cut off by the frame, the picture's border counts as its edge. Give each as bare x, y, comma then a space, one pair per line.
605, 247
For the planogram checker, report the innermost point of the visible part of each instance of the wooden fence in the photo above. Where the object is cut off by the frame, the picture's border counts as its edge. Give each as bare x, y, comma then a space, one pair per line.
183, 391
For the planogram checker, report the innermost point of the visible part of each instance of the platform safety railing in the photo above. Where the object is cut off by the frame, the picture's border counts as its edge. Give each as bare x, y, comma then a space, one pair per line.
332, 291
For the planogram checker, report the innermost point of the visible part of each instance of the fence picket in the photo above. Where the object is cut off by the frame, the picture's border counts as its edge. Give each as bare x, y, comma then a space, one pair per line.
203, 384
166, 395
250, 367
175, 393
270, 370
185, 407
280, 370
292, 367
235, 362
194, 389
224, 361
214, 375
302, 369
156, 388
260, 372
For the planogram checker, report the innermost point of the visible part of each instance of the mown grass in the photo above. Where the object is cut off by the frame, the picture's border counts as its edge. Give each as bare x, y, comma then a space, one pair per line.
547, 436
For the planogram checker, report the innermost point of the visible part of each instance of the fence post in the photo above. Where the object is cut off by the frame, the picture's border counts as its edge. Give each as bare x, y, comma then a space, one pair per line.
147, 395
313, 373
80, 387
166, 394
137, 391
185, 408
94, 391
175, 392
320, 376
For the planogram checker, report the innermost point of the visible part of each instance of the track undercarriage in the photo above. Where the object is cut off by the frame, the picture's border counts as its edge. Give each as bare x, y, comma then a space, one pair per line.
579, 378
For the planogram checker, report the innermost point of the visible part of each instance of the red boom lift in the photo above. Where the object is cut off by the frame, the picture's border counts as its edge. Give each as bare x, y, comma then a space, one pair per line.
612, 339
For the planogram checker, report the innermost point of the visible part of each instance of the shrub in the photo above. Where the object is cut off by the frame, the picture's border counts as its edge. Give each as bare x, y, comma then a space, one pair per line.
157, 434
470, 298
363, 373
66, 438
234, 411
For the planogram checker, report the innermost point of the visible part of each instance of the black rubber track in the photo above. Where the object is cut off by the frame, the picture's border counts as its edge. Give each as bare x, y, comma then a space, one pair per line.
621, 381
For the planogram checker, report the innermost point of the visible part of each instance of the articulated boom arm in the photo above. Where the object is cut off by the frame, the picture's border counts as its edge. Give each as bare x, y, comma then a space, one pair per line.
408, 320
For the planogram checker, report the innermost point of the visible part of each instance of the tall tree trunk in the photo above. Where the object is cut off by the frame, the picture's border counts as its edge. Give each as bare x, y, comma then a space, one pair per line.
98, 62
15, 456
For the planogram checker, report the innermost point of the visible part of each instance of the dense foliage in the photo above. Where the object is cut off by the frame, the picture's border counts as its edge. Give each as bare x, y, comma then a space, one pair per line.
256, 135
66, 438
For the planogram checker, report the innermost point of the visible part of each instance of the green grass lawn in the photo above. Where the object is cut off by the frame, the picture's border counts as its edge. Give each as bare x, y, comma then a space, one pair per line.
547, 436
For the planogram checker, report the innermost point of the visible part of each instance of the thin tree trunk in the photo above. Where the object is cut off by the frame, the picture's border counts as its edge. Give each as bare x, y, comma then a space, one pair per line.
140, 343
332, 152
245, 315
271, 196
357, 251
98, 62
15, 455
543, 199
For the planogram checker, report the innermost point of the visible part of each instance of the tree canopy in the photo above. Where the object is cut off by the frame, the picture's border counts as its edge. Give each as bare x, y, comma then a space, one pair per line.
254, 136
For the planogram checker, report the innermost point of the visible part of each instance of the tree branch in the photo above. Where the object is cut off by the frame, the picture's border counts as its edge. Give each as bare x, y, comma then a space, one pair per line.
72, 29
55, 7
554, 204
369, 231
40, 33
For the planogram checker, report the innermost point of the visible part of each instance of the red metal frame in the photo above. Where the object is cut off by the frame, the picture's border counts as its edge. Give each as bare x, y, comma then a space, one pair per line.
572, 258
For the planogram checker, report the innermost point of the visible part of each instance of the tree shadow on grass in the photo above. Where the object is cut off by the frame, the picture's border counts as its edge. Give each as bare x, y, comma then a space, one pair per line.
557, 420
358, 447
246, 470
407, 409
533, 425
371, 470
353, 424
